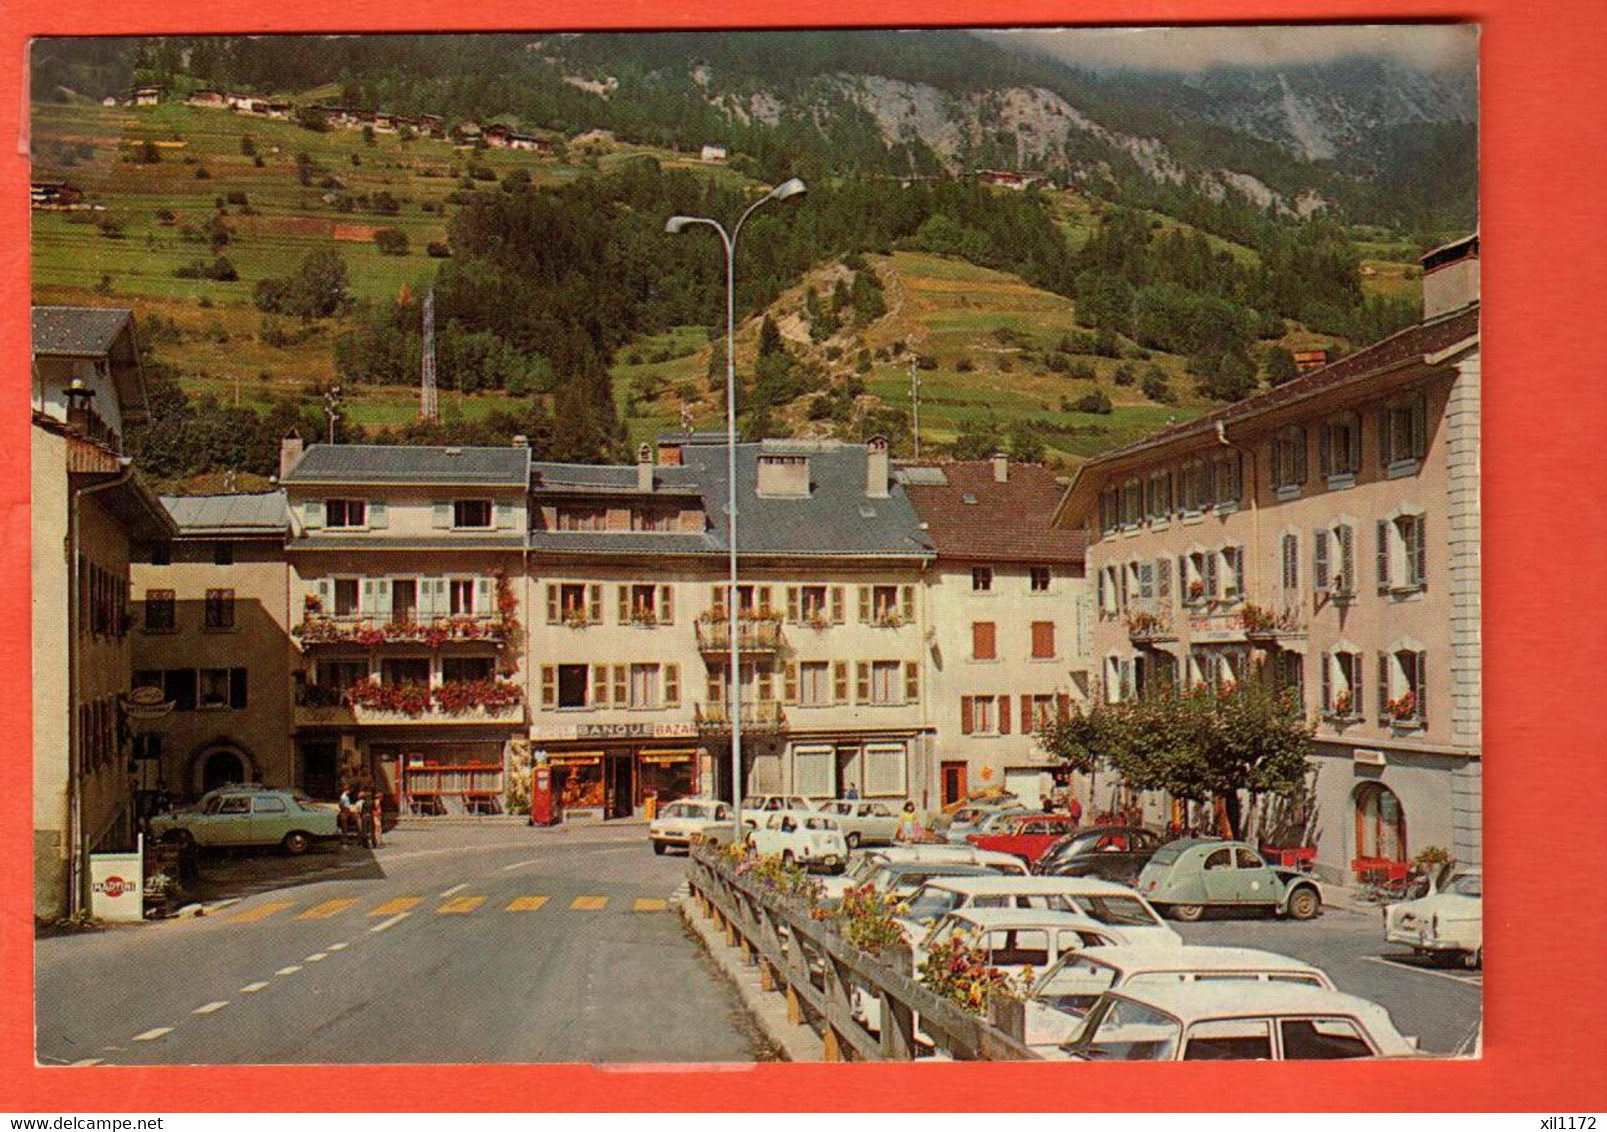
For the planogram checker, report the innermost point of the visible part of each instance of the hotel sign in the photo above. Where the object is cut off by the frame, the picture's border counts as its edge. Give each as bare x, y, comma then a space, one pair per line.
1368, 756
594, 731
1221, 630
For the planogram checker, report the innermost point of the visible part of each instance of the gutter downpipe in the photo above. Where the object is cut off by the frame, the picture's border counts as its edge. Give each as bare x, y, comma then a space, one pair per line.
76, 897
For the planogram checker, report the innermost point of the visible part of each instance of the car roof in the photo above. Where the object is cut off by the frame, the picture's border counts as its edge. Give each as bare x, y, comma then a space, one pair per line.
1133, 960
1033, 885
993, 918
1194, 1001
961, 868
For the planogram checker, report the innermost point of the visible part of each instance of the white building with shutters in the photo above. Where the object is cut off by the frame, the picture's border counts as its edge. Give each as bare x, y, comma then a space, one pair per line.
1322, 536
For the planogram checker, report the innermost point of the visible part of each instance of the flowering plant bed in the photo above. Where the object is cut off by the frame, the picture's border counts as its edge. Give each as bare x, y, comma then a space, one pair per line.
1142, 623
1402, 711
1260, 621
959, 972
316, 629
892, 619
451, 698
866, 919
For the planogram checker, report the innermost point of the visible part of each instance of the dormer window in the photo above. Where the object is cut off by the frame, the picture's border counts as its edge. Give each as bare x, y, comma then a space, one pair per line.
783, 476
471, 513
345, 512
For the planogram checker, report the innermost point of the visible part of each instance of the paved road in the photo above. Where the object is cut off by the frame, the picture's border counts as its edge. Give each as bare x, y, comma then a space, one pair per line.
455, 944
1440, 1005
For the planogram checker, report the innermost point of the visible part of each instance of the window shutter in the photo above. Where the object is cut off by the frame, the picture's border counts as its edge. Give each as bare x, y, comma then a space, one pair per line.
862, 682
378, 515
325, 602
1327, 682
1121, 588
1422, 687
666, 605
1419, 427
1347, 557
1302, 443
1354, 446
789, 682
1383, 554
441, 515
1004, 715
554, 613
763, 596
1383, 686
594, 595
1163, 579
1319, 560
836, 605
839, 681
1325, 451
622, 689
967, 724
912, 681
1211, 578
382, 598
717, 602
1236, 477
864, 605
599, 685
792, 605
483, 604
504, 514
1104, 601
1043, 639
237, 687
1062, 706
906, 595
1420, 551
1356, 682
1026, 715
672, 685
1291, 562
1384, 440
549, 685
312, 514
624, 604
1277, 462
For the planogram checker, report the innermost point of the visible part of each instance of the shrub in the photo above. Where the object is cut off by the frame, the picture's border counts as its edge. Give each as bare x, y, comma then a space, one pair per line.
385, 204
111, 229
964, 365
201, 174
1125, 375
235, 196
926, 361
258, 162
248, 148
147, 153
1096, 402
1082, 370
435, 249
165, 217
391, 241
1155, 387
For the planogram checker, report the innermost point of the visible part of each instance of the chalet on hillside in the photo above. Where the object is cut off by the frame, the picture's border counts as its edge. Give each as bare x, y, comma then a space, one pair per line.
1309, 361
54, 195
432, 124
211, 99
530, 142
147, 95
713, 154
1008, 179
497, 135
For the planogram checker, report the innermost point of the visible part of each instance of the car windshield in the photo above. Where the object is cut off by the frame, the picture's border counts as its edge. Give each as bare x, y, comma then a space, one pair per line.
863, 869
1466, 884
1074, 984
1119, 911
1121, 1030
930, 903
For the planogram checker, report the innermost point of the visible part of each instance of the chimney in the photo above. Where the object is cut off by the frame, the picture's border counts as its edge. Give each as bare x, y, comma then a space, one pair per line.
1001, 468
1451, 276
644, 468
669, 453
876, 473
290, 451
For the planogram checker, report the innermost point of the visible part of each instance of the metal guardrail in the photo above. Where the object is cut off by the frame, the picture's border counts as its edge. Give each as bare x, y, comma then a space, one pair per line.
816, 969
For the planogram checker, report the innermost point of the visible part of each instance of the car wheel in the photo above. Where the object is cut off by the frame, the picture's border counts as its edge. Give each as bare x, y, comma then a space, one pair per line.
1304, 904
1186, 913
182, 838
658, 848
295, 843
853, 841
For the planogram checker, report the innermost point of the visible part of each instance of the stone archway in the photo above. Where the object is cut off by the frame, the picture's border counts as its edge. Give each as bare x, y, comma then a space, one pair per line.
220, 762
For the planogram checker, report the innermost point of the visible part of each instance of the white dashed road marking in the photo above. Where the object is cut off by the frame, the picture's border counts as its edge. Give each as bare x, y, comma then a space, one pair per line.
287, 970
337, 947
519, 864
316, 957
390, 923
211, 1007
454, 889
252, 988
152, 1035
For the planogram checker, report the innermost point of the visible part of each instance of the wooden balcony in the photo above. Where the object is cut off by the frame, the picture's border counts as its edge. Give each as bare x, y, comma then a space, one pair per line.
756, 636
757, 716
373, 705
1146, 627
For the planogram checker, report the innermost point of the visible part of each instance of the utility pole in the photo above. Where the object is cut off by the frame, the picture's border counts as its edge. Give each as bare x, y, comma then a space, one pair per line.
915, 404
332, 409
429, 406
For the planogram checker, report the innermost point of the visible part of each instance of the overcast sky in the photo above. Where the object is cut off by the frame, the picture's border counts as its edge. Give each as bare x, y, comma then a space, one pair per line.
1436, 46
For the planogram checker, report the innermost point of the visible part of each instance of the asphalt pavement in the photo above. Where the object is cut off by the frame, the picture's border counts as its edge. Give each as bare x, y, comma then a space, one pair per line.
451, 944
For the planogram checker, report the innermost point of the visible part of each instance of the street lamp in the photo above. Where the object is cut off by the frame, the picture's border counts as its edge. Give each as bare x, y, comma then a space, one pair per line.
733, 684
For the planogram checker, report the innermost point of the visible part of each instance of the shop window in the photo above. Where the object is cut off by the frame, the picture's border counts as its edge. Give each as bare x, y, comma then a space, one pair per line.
1380, 823
815, 771
885, 770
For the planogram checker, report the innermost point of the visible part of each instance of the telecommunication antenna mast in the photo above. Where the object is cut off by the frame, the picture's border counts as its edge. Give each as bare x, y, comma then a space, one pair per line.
429, 408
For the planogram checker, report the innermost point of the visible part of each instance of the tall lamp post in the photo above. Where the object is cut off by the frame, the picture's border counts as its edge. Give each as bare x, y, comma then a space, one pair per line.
733, 683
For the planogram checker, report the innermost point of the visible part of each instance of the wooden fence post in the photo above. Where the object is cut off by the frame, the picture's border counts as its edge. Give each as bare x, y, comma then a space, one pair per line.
898, 1020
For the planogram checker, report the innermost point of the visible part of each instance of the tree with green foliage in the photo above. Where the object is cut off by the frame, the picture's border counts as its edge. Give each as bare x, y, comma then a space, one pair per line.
978, 439
316, 290
1097, 401
1105, 302
1026, 442
1155, 386
1224, 377
390, 241
1278, 366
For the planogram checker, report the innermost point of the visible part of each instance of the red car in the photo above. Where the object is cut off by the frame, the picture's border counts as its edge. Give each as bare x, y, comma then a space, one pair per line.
1026, 836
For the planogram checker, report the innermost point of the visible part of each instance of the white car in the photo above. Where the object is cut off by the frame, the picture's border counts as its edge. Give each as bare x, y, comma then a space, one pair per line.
877, 865
864, 823
1448, 921
772, 802
802, 837
1063, 994
1111, 904
680, 822
1237, 1022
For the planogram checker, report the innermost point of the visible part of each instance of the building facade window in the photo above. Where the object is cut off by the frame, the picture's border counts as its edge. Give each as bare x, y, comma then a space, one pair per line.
582, 518
221, 688
1402, 553
474, 514
1039, 579
1333, 561
1289, 459
1339, 447
160, 611
223, 553
984, 644
1158, 496
351, 513
1380, 824
814, 683
1402, 690
219, 609
1403, 432
346, 597
1342, 684
1228, 480
1289, 547
981, 579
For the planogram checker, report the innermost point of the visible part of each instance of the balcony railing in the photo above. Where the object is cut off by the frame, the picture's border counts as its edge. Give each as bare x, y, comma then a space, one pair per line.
757, 715
465, 701
755, 635
323, 628
1145, 625
1261, 623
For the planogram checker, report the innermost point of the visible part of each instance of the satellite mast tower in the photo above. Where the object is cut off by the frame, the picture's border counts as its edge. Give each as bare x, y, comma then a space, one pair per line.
429, 408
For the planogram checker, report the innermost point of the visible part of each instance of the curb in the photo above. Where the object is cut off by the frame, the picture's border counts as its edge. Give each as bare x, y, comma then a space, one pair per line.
768, 1010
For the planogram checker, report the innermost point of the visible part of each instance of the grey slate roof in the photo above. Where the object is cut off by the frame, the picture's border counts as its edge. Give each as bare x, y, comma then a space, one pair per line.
263, 513
406, 464
836, 518
452, 542
621, 542
555, 479
77, 331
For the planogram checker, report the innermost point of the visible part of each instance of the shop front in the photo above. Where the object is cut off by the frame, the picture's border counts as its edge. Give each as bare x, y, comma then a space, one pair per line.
603, 771
879, 766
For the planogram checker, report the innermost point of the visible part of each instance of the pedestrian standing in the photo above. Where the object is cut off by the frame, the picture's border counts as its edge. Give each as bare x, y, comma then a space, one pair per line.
909, 824
348, 810
379, 818
1074, 808
853, 793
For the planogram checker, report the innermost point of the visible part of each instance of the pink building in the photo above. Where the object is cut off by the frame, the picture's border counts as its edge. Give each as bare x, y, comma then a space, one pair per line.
1323, 535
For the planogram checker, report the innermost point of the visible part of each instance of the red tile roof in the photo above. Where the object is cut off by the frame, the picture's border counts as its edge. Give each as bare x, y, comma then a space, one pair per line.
1007, 522
1414, 342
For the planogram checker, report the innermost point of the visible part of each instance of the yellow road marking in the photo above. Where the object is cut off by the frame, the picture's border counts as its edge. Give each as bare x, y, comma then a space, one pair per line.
400, 904
525, 904
325, 910
588, 903
261, 911
649, 905
460, 906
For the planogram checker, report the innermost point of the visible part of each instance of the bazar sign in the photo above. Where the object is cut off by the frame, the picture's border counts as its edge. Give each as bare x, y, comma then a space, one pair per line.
616, 731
